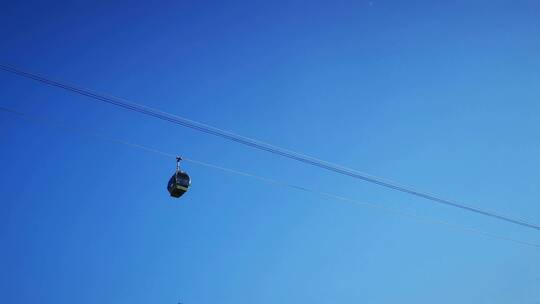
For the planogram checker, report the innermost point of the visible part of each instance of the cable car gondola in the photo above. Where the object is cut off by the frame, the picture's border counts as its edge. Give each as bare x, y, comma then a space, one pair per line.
179, 182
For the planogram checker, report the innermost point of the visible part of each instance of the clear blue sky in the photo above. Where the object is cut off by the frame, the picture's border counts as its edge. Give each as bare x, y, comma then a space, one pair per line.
440, 95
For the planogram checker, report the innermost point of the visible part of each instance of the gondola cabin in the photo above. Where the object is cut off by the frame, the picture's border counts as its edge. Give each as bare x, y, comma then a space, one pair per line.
178, 183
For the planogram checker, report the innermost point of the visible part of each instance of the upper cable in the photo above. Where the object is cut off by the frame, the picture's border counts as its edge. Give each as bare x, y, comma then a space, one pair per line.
128, 105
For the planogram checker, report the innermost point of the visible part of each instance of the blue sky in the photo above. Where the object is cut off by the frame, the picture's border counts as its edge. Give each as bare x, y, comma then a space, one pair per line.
440, 95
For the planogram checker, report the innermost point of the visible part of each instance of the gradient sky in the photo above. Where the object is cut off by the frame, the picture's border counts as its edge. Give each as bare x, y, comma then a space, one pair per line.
439, 95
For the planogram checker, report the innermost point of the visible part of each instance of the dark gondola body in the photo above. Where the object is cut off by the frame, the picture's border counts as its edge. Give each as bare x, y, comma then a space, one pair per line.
178, 184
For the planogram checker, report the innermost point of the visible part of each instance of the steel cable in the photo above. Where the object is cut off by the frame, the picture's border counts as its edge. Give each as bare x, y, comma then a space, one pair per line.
125, 104
326, 195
